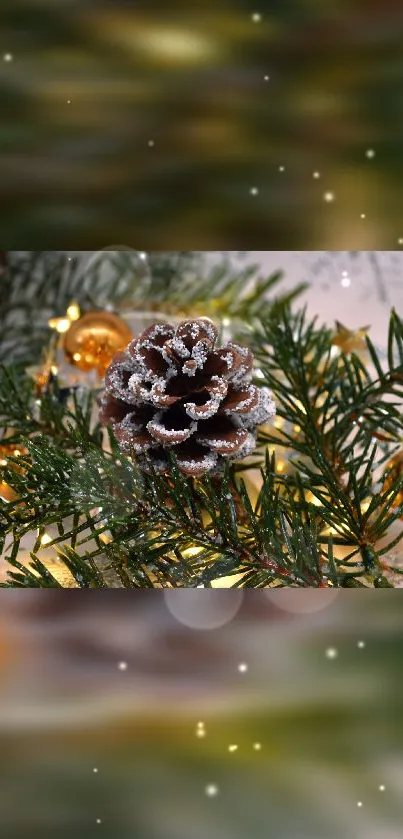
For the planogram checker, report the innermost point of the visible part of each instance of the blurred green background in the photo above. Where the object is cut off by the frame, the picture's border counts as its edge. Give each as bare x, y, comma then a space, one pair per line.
330, 729
148, 123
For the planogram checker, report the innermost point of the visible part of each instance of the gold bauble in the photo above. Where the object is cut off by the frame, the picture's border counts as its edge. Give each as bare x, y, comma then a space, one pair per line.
92, 341
7, 493
394, 471
7, 450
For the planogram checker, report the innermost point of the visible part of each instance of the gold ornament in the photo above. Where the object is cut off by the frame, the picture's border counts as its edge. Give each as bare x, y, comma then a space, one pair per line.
7, 493
10, 450
394, 471
91, 342
351, 341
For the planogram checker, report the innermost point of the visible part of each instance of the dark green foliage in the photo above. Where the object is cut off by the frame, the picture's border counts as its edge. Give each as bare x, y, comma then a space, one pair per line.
115, 526
81, 483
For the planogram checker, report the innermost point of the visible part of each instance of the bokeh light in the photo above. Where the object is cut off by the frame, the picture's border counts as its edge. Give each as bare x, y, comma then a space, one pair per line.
203, 609
301, 601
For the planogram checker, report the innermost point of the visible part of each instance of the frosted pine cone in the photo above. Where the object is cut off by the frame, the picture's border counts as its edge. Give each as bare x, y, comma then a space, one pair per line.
172, 388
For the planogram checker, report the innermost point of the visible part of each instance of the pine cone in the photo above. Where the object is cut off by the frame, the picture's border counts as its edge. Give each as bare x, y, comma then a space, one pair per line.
173, 388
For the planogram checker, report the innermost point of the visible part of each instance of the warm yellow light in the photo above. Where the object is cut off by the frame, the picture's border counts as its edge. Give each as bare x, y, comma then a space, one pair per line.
3, 463
73, 312
54, 369
105, 538
297, 428
280, 466
173, 45
313, 499
17, 453
192, 551
60, 324
226, 582
278, 422
46, 539
77, 356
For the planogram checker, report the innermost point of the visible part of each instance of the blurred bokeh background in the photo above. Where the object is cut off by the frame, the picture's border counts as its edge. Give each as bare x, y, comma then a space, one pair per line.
311, 697
202, 125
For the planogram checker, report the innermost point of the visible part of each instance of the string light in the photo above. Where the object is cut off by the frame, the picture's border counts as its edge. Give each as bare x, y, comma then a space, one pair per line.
331, 653
73, 311
257, 747
61, 325
370, 153
256, 17
328, 196
316, 175
211, 790
200, 730
8, 57
242, 667
254, 190
46, 539
233, 747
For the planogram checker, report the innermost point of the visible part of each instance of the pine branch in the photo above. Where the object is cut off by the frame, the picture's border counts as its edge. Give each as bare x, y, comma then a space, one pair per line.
318, 524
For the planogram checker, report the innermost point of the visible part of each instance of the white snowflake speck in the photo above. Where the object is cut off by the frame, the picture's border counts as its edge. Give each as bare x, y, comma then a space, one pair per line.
122, 665
316, 175
331, 652
211, 790
243, 667
370, 153
328, 196
151, 143
359, 803
381, 787
8, 56
266, 78
254, 190
95, 769
257, 747
281, 168
233, 747
361, 645
256, 17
